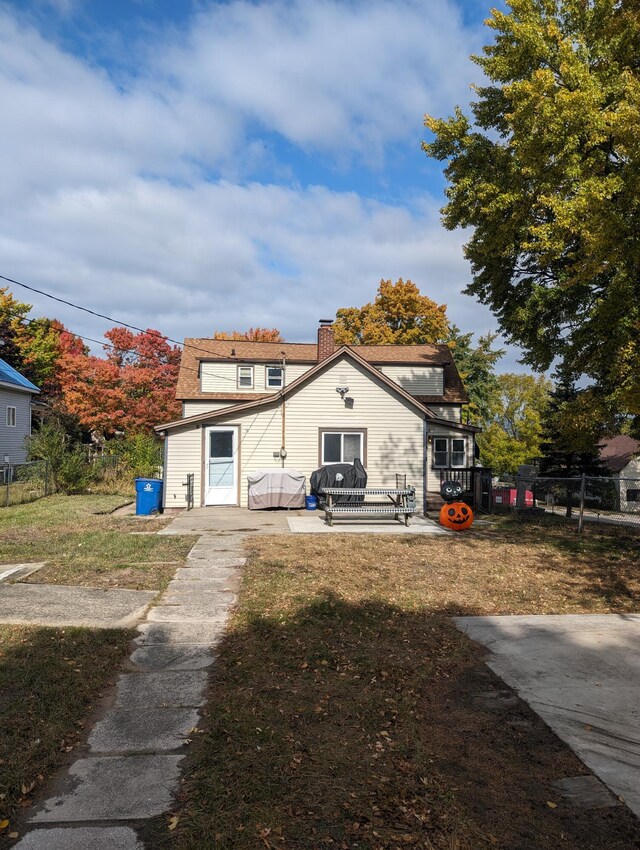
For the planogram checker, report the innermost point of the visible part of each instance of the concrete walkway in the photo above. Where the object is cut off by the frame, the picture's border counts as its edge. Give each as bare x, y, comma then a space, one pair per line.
132, 770
581, 674
59, 605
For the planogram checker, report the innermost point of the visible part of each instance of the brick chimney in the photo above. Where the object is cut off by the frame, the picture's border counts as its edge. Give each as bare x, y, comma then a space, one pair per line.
326, 339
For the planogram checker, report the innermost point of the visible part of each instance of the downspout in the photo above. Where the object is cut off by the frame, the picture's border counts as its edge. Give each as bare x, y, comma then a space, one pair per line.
283, 444
425, 461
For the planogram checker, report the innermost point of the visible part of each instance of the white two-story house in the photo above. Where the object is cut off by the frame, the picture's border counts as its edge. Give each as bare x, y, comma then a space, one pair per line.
253, 405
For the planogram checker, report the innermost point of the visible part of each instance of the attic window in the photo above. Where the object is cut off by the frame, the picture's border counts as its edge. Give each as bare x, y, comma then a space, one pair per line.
245, 377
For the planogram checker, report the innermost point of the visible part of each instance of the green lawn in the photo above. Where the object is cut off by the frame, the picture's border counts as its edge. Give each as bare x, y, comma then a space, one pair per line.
347, 711
83, 544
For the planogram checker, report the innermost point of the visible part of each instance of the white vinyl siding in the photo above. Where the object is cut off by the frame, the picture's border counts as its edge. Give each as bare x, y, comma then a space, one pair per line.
417, 380
193, 408
14, 407
223, 378
183, 454
394, 429
451, 412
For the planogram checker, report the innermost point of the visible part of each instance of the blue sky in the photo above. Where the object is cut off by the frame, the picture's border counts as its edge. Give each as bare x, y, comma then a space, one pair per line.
194, 166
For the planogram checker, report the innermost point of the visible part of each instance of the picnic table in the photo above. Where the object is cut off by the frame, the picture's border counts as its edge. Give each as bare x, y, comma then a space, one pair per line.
401, 504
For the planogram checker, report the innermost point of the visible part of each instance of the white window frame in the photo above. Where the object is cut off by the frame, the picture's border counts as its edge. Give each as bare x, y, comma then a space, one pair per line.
464, 452
444, 465
267, 378
449, 443
250, 371
342, 434
11, 424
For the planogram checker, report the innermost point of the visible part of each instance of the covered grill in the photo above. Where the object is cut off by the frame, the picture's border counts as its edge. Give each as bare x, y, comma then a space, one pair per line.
347, 475
276, 488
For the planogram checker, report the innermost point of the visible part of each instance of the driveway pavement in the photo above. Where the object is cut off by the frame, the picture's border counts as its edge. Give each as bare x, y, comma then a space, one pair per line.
581, 674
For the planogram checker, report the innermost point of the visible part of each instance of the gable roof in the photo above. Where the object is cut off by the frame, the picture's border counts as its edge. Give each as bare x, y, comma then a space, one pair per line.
616, 452
344, 351
11, 377
199, 350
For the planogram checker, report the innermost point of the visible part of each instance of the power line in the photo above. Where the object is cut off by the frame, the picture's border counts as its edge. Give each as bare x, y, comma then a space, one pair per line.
108, 318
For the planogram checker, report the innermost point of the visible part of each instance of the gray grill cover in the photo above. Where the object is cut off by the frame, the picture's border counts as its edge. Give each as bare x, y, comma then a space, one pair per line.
276, 488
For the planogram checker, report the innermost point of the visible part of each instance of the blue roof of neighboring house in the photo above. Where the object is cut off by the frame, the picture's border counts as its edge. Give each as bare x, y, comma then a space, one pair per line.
9, 375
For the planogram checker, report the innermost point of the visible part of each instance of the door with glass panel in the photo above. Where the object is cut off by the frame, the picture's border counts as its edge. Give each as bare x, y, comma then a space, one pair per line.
221, 466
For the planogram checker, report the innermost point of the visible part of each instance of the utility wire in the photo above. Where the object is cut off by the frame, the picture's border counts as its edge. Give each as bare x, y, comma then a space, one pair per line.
109, 318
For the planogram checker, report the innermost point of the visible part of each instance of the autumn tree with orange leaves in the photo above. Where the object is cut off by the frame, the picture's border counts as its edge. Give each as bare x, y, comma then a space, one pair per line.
131, 389
252, 335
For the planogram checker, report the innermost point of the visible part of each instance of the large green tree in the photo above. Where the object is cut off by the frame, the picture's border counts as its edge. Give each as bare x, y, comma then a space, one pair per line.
547, 176
512, 435
476, 364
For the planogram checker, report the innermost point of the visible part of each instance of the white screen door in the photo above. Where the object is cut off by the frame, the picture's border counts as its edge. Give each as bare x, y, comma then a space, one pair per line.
221, 466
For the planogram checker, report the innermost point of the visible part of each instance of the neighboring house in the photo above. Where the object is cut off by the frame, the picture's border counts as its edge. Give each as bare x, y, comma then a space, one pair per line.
621, 456
16, 394
251, 405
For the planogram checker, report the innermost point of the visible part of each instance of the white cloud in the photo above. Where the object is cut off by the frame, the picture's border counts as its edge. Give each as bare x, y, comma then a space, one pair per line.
113, 196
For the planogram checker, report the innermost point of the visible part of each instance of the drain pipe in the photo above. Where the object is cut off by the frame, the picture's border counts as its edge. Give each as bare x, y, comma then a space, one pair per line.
283, 449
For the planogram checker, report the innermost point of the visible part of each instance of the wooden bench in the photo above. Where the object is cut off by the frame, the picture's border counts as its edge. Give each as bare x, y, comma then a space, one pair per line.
401, 505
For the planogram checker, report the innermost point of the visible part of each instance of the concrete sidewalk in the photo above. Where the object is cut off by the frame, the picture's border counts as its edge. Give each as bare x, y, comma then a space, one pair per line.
132, 770
581, 674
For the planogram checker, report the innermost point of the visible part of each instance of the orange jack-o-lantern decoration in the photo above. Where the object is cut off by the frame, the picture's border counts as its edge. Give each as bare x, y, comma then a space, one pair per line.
456, 515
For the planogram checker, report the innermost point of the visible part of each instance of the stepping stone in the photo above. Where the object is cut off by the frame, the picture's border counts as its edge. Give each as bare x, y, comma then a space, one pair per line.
585, 792
138, 731
208, 613
172, 657
199, 600
161, 634
177, 689
113, 788
57, 605
228, 584
206, 573
81, 838
15, 572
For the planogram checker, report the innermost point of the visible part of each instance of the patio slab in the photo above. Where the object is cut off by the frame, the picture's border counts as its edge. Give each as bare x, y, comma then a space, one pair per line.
58, 605
581, 674
315, 524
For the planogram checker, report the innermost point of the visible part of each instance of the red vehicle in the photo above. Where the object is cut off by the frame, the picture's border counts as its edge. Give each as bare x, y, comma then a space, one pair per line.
506, 497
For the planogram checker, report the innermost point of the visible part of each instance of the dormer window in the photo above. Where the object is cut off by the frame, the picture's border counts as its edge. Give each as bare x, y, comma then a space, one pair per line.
245, 377
274, 378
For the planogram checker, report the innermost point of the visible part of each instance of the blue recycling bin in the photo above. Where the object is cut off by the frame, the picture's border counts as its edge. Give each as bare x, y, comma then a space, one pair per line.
148, 496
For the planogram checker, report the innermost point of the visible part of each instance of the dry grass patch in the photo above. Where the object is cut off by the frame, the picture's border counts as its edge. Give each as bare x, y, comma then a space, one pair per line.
49, 680
84, 544
346, 710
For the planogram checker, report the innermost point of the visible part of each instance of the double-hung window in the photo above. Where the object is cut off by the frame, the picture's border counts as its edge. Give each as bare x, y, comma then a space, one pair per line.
449, 452
11, 417
274, 377
245, 377
341, 446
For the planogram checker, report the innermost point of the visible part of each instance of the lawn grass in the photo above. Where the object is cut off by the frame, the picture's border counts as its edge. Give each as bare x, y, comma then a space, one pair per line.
84, 544
49, 680
347, 711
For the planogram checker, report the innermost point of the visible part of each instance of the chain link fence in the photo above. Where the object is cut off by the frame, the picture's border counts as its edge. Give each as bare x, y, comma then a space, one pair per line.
607, 500
24, 482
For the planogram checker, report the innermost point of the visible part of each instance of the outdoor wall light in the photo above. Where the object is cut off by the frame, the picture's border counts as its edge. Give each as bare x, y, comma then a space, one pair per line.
343, 391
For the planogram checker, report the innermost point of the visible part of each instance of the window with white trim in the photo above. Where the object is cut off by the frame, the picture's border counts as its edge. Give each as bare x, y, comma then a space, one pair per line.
11, 417
245, 377
274, 378
449, 452
440, 452
341, 446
